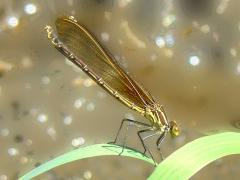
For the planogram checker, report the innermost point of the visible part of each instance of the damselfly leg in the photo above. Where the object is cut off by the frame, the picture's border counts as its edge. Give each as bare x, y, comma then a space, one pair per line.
130, 123
159, 142
137, 124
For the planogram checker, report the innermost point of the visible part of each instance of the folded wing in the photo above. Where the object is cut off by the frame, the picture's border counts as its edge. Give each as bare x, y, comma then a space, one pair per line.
100, 65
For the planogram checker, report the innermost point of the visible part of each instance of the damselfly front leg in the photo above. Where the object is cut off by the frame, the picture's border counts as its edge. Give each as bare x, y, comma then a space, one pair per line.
159, 142
146, 137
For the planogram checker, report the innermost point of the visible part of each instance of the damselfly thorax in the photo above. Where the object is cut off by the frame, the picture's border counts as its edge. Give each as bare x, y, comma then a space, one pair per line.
81, 47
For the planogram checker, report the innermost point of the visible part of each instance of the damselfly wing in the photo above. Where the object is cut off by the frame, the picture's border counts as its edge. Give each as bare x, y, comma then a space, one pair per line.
84, 50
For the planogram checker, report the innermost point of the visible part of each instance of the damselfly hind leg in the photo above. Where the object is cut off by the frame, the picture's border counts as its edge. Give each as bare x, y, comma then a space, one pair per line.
129, 122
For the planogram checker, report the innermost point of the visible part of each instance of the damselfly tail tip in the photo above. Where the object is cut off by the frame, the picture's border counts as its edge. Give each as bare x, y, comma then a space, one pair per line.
49, 31
72, 18
51, 35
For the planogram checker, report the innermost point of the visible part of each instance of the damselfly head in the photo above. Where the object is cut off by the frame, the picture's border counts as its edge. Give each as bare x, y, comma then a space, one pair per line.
174, 129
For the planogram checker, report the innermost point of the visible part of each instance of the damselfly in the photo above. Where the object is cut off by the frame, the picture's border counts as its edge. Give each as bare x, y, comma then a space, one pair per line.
81, 47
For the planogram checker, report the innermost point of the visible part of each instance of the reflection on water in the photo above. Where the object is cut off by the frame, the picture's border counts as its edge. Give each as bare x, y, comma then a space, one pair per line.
185, 52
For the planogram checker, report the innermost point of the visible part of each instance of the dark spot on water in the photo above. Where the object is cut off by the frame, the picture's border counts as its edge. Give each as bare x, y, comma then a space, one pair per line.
1, 74
37, 164
195, 8
15, 105
56, 71
15, 175
25, 113
30, 153
18, 138
218, 57
16, 109
236, 124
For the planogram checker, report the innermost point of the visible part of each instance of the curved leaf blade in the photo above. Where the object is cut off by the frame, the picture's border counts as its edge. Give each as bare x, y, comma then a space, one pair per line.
85, 152
189, 159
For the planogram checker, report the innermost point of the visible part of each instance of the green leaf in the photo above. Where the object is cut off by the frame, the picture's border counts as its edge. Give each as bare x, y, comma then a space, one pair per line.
189, 159
180, 165
82, 153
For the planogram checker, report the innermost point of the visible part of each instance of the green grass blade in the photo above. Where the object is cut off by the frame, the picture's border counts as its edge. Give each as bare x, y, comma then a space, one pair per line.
82, 153
189, 159
180, 165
